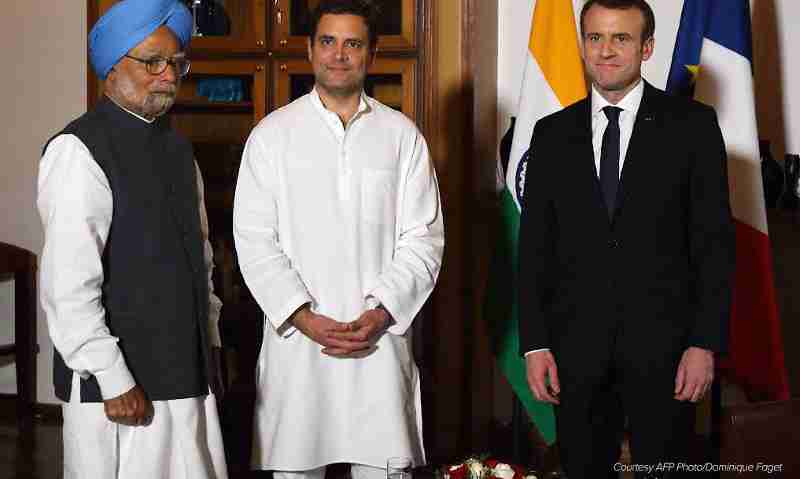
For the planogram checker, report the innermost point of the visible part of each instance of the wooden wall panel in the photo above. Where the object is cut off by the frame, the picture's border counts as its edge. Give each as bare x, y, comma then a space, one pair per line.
460, 126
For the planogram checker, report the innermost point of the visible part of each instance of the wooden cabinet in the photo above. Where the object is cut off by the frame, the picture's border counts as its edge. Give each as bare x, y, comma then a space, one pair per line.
291, 25
224, 26
202, 117
391, 81
229, 26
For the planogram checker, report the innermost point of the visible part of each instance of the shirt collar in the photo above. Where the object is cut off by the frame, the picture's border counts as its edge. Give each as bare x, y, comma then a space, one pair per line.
363, 103
132, 113
629, 103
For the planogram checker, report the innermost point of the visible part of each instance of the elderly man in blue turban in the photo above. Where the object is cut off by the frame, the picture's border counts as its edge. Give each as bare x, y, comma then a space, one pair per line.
126, 267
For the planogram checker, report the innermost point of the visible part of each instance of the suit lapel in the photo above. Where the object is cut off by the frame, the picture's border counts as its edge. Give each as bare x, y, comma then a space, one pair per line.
645, 129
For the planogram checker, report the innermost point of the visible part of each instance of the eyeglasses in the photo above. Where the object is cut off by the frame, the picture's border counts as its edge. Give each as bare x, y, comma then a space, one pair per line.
157, 65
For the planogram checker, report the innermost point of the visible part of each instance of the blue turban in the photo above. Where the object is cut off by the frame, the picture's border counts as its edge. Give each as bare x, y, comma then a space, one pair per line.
128, 23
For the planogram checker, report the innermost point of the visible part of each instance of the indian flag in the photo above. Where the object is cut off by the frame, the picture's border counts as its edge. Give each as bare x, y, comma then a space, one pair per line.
553, 79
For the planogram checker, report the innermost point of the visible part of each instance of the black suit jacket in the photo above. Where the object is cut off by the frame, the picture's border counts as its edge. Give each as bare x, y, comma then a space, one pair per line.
661, 268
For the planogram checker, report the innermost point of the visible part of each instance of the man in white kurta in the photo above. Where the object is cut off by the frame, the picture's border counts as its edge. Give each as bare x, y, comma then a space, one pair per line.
121, 203
337, 222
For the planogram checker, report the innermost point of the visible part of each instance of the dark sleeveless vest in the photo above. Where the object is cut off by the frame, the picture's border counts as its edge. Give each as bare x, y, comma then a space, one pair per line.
155, 290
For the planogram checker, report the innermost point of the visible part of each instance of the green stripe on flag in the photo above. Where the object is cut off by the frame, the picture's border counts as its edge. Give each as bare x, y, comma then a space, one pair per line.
501, 313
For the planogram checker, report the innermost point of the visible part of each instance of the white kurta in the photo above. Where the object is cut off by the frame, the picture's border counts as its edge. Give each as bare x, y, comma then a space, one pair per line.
184, 439
344, 219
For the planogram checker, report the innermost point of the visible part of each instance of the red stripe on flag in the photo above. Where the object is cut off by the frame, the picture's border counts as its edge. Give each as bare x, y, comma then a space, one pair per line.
756, 359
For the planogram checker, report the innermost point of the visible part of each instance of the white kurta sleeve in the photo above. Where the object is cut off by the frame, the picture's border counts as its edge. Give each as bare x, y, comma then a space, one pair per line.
214, 303
405, 285
267, 271
76, 205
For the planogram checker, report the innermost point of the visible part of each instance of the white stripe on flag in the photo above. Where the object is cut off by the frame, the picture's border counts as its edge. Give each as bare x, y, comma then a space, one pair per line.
537, 99
726, 82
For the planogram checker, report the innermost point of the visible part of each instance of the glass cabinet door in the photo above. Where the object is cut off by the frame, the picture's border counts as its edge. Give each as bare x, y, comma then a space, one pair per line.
220, 100
229, 25
290, 24
217, 106
391, 81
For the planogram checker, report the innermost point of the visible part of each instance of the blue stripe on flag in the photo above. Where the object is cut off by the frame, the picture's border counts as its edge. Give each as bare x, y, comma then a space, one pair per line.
725, 22
729, 26
687, 46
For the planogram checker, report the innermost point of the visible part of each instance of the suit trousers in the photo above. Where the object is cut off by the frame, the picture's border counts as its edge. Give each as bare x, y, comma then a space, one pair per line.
628, 379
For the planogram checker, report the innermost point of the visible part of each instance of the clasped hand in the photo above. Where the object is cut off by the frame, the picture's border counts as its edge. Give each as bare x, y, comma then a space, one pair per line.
342, 339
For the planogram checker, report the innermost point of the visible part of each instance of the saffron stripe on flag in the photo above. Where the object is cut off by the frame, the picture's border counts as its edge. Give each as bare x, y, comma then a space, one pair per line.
559, 60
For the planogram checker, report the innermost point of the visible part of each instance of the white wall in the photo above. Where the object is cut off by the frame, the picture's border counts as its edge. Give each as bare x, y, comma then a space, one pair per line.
776, 28
42, 87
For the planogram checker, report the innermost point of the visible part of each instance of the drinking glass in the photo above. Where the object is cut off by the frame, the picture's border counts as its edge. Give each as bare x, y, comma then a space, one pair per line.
398, 468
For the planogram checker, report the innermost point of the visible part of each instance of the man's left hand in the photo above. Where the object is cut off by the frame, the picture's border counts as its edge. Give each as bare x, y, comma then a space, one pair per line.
367, 328
695, 374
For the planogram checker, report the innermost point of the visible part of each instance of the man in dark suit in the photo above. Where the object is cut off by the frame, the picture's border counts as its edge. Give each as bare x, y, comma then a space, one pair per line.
626, 254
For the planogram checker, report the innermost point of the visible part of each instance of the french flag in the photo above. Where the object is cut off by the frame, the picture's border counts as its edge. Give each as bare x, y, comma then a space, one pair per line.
713, 62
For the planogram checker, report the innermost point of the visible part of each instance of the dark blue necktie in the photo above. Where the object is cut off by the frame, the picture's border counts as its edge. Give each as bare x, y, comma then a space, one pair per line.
609, 158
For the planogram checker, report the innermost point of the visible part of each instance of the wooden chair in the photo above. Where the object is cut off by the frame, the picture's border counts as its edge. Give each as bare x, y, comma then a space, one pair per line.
763, 432
20, 265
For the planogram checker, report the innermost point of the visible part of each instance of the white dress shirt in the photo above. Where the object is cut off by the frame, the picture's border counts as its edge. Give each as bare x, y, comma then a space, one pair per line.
627, 117
75, 205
